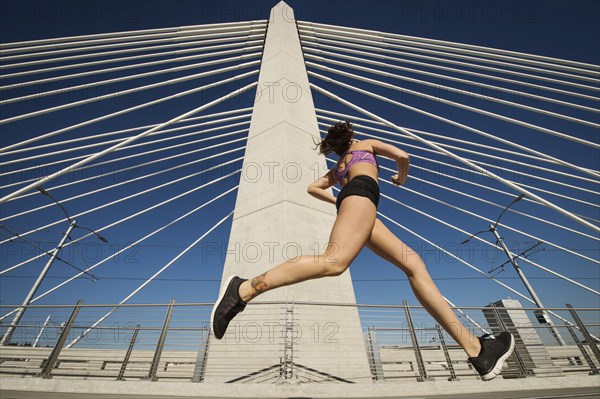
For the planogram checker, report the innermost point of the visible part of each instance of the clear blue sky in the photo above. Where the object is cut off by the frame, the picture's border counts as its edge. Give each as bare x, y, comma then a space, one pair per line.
561, 29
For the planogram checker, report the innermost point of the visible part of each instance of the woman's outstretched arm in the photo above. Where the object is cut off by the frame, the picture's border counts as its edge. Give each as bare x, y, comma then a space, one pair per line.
401, 157
318, 189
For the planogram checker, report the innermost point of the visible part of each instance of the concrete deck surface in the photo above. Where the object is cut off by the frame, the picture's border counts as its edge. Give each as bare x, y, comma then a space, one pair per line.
572, 393
576, 386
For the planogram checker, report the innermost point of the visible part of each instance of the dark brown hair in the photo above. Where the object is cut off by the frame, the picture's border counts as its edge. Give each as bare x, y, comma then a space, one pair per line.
338, 139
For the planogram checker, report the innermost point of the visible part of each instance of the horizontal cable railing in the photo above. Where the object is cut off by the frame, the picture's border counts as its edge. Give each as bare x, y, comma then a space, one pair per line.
399, 342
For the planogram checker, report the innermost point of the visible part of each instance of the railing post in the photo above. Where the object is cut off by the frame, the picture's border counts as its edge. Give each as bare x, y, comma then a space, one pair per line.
161, 343
585, 332
586, 355
202, 355
376, 367
520, 364
418, 356
128, 354
288, 346
51, 362
453, 376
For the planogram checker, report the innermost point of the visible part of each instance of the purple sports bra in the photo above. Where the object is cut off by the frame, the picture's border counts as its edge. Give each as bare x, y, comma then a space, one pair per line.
358, 156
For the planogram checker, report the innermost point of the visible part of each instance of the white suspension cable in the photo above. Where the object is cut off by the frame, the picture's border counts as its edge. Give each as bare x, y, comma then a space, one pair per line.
526, 186
97, 54
494, 166
456, 44
122, 199
133, 129
131, 40
463, 126
336, 35
471, 143
462, 160
133, 66
485, 57
161, 159
469, 171
453, 139
137, 194
491, 221
482, 174
135, 155
126, 142
543, 179
488, 243
462, 193
122, 183
468, 107
106, 205
372, 49
125, 33
452, 255
246, 48
145, 143
445, 299
474, 84
441, 248
469, 265
451, 90
509, 170
54, 53
173, 54
428, 170
137, 242
146, 87
477, 152
216, 114
121, 220
124, 111
128, 297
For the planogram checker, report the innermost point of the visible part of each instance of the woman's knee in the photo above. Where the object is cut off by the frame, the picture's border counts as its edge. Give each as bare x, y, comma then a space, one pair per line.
334, 267
414, 265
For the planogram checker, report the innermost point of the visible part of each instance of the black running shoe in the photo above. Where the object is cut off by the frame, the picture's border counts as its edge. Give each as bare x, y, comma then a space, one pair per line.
494, 353
227, 306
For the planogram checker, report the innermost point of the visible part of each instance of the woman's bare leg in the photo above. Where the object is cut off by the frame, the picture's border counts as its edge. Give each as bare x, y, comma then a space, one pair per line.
347, 238
385, 244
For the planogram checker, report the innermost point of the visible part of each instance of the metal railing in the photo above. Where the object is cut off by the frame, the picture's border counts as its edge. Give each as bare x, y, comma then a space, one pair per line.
173, 342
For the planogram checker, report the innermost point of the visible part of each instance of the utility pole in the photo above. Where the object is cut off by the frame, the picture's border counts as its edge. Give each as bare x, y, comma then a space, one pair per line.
542, 315
11, 329
53, 256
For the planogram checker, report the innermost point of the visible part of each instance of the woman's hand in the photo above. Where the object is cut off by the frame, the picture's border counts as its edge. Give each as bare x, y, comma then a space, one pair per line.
397, 181
403, 166
401, 157
318, 188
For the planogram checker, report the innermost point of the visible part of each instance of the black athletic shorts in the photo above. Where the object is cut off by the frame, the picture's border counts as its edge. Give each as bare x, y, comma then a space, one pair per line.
361, 185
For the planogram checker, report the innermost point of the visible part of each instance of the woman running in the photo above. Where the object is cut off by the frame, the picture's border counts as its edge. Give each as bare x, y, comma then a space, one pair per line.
356, 225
